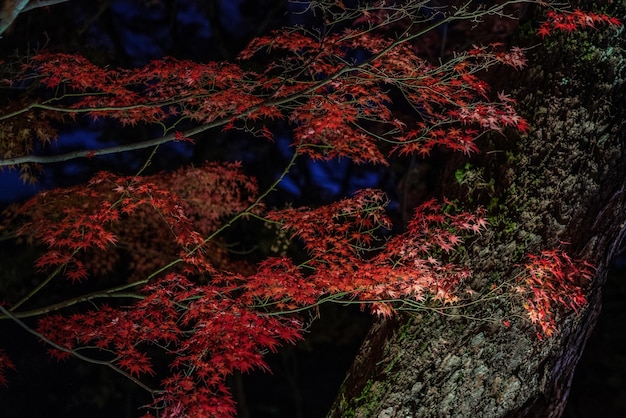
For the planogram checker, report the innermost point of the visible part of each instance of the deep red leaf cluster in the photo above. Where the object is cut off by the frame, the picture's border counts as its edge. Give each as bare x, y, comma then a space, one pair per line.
553, 281
572, 21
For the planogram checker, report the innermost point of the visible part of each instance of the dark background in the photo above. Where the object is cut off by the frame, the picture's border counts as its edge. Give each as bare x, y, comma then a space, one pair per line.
305, 378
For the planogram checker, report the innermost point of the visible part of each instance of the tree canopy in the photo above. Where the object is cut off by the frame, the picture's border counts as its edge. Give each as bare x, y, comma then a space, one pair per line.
175, 262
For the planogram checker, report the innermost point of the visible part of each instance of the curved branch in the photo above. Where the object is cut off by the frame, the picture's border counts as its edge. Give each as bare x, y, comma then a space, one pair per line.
96, 152
110, 293
77, 354
118, 291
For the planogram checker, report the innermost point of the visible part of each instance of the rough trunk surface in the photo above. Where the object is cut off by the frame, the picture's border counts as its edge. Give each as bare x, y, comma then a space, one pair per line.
563, 182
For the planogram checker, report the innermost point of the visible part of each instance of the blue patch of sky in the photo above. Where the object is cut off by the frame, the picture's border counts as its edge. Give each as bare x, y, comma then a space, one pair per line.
142, 48
13, 189
231, 16
290, 186
286, 150
184, 150
330, 176
284, 146
334, 178
77, 139
144, 29
189, 14
132, 9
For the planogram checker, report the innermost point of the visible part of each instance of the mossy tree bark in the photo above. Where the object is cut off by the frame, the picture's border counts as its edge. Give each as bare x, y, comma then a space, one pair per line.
565, 181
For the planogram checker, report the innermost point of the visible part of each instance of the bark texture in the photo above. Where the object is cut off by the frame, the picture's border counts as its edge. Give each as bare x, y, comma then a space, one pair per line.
563, 182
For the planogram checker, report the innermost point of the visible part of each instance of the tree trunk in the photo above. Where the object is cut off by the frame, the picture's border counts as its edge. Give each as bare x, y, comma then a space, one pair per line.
562, 182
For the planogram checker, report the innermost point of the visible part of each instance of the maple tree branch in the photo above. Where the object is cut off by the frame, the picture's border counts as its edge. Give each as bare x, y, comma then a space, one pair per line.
460, 14
47, 106
101, 151
77, 354
248, 211
109, 293
113, 292
90, 153
406, 305
41, 285
44, 106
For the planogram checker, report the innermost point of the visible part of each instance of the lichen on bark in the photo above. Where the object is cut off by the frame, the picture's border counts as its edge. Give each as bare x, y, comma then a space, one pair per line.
562, 182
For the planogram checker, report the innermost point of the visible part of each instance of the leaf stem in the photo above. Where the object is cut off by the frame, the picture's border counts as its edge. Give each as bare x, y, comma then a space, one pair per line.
41, 285
77, 354
110, 293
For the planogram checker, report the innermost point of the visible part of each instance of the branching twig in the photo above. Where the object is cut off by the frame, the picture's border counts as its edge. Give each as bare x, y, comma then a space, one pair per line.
77, 354
460, 14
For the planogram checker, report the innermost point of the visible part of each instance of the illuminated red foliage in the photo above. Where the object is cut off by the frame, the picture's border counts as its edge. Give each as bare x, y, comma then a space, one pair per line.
184, 299
572, 21
553, 281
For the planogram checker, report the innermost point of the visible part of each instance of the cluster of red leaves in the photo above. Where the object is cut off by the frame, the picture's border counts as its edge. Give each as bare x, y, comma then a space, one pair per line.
152, 218
210, 330
450, 101
554, 281
86, 218
152, 94
17, 135
208, 333
335, 91
207, 195
572, 21
340, 238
